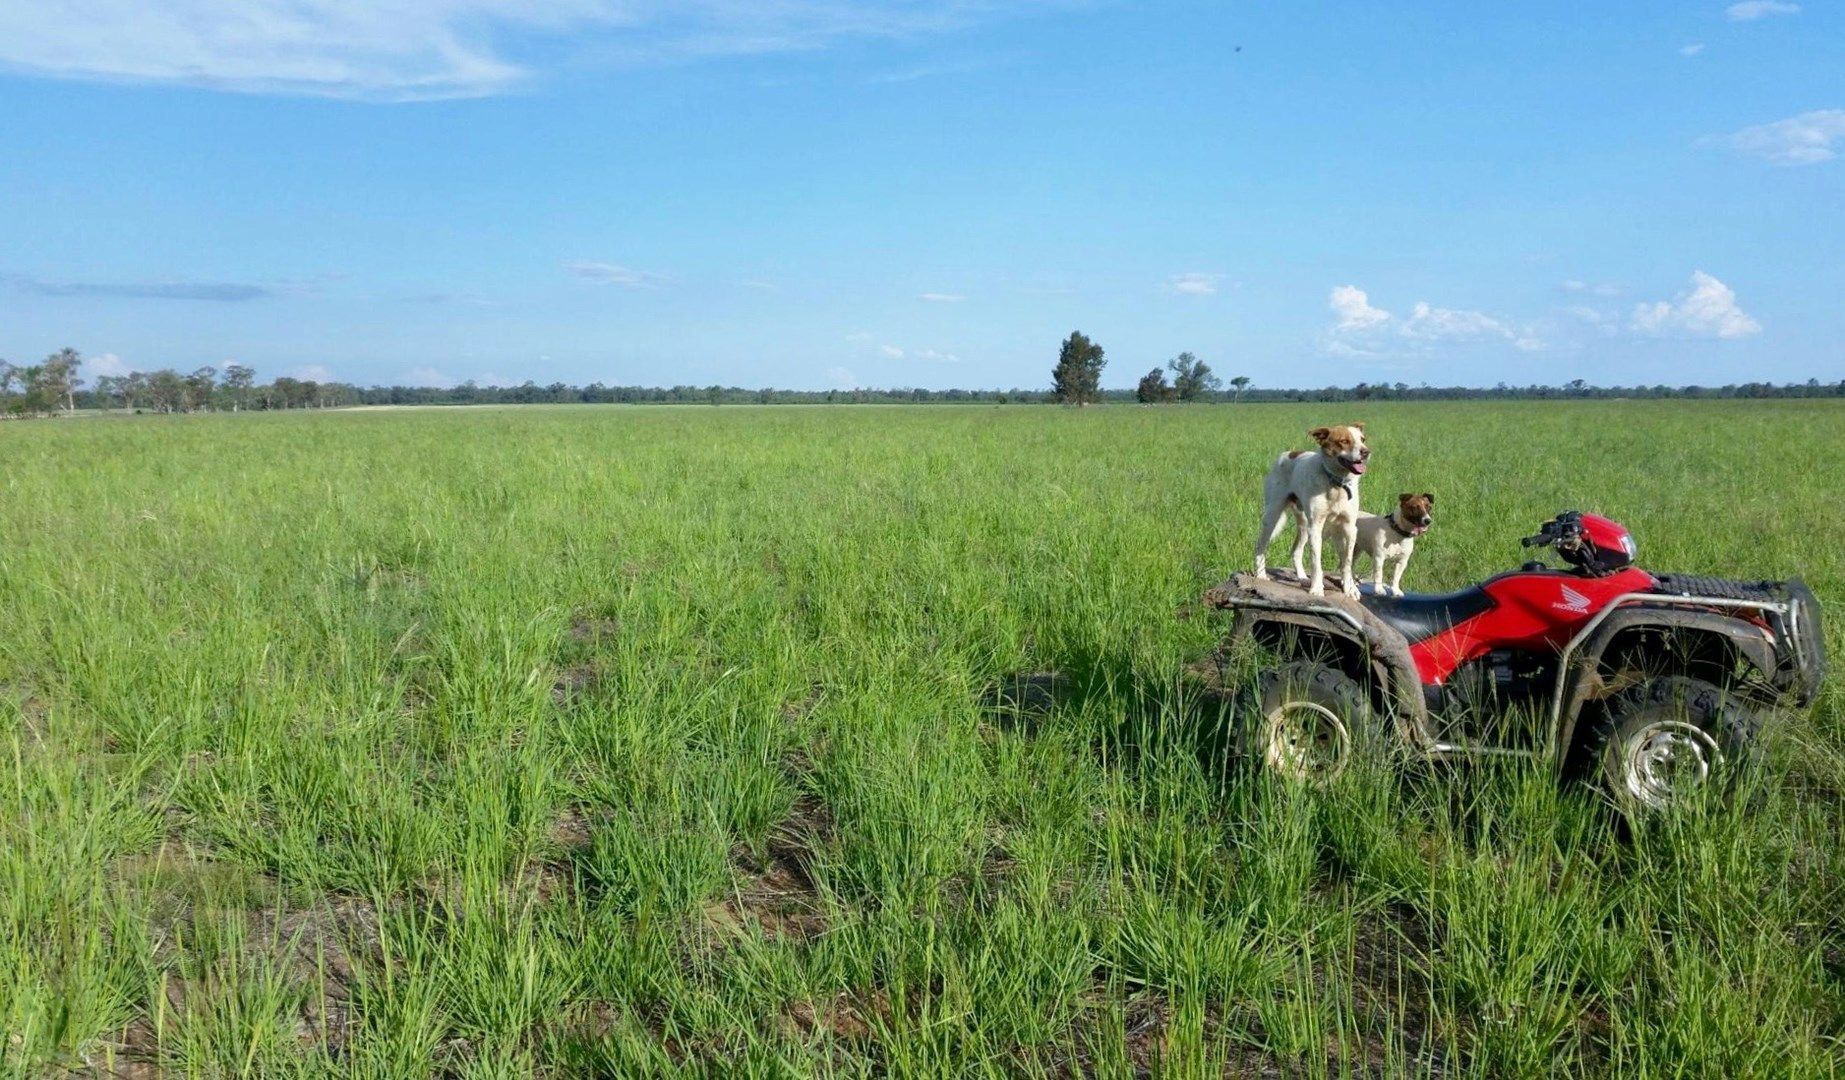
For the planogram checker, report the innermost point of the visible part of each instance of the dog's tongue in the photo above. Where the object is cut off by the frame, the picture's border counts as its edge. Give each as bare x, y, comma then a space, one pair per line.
1357, 467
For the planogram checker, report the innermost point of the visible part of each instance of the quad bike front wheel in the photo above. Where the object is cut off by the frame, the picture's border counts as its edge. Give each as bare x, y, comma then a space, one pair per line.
1307, 719
1669, 739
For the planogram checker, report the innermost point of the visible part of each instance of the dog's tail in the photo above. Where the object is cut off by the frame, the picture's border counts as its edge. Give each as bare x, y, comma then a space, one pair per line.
1277, 475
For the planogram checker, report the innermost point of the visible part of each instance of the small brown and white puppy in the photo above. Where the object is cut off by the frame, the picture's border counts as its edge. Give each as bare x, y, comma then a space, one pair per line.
1391, 538
1320, 491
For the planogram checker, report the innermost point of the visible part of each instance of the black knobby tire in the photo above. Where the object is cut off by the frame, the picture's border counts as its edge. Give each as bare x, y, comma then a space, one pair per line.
1307, 721
1663, 740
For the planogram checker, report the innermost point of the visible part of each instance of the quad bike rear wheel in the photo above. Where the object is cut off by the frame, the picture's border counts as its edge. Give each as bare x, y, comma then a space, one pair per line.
1307, 719
1668, 739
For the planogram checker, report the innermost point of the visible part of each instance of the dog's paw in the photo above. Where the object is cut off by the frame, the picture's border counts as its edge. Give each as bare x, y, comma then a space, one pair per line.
1349, 588
1260, 575
1316, 589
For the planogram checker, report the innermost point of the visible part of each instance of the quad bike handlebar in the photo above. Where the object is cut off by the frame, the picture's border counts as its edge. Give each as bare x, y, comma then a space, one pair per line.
1560, 530
1592, 544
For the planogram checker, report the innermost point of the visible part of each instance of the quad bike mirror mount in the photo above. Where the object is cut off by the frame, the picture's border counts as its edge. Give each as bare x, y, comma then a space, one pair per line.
1563, 532
1595, 546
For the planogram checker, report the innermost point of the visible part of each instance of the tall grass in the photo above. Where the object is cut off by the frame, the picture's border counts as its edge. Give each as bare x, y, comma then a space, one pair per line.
788, 741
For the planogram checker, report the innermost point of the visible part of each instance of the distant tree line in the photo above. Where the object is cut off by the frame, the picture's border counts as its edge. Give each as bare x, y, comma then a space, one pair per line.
55, 385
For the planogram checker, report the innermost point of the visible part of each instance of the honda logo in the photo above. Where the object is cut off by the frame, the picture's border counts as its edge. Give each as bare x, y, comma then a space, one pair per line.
1573, 602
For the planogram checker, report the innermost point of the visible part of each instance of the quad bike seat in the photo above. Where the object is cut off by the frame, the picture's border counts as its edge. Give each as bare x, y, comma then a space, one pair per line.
1422, 615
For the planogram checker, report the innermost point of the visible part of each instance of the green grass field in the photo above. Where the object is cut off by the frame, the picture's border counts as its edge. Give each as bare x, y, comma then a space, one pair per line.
645, 741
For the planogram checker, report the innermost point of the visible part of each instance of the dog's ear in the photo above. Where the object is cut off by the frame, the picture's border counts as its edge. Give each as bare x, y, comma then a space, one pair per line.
1430, 496
1405, 497
1320, 434
1357, 427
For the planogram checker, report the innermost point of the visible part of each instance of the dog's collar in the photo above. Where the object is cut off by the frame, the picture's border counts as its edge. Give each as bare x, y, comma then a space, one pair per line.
1400, 531
1343, 483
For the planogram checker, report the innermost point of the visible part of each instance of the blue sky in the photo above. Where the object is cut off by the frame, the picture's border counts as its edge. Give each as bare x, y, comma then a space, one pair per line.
814, 193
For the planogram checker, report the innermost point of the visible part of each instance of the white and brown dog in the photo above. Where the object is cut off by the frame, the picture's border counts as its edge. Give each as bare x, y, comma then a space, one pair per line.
1319, 490
1391, 538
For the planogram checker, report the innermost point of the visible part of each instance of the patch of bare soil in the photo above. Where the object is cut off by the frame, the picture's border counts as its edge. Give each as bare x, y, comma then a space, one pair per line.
1145, 1040
571, 682
776, 892
321, 944
1391, 989
570, 830
585, 634
133, 1055
547, 877
1145, 1022
845, 1016
588, 628
315, 947
1211, 671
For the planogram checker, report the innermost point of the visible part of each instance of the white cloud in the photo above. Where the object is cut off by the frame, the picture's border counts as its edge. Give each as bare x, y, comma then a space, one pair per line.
841, 378
761, 286
1692, 49
923, 356
105, 364
1336, 346
1194, 284
1450, 324
314, 373
1607, 325
1707, 309
942, 298
228, 292
488, 378
1353, 309
1750, 10
426, 376
611, 274
929, 71
1798, 140
1590, 287
429, 49
1362, 330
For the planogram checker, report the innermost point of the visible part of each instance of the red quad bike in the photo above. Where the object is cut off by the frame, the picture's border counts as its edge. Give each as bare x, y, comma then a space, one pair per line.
1654, 683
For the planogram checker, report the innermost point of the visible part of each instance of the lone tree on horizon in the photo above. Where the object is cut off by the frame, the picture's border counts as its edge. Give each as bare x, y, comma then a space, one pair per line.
1077, 378
1192, 378
1241, 382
